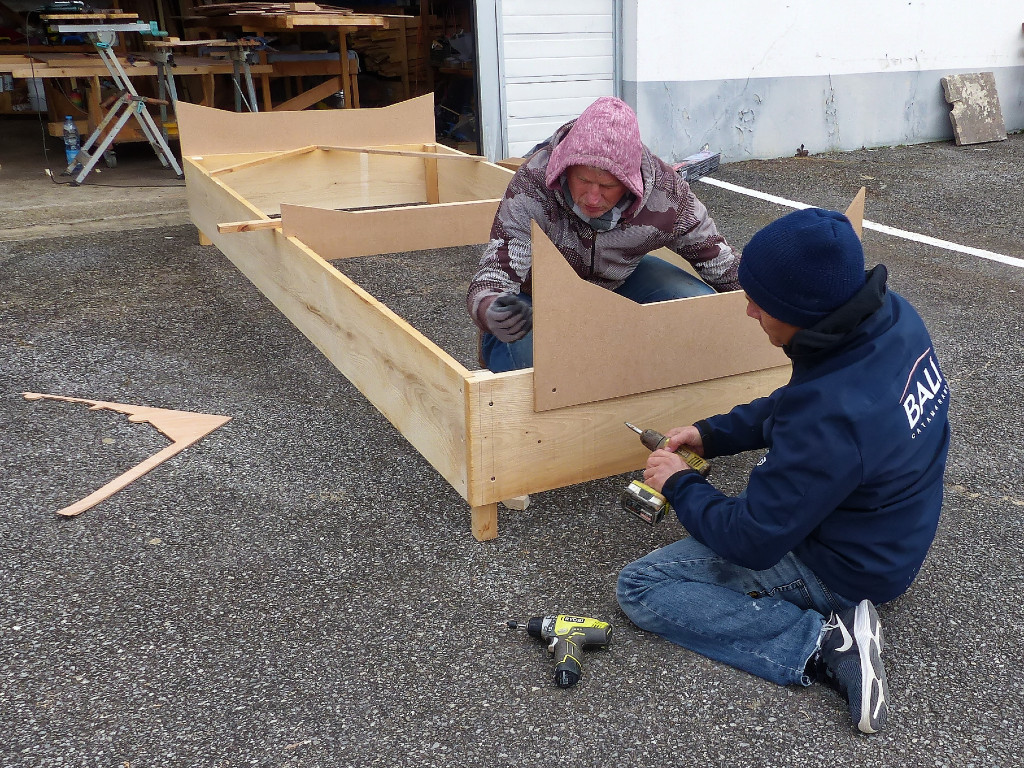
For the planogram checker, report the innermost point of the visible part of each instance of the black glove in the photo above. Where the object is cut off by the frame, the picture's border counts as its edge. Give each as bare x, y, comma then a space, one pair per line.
509, 317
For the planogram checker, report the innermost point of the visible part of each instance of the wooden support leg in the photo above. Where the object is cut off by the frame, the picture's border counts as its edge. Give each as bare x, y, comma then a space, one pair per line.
346, 84
203, 239
433, 188
208, 91
485, 522
268, 104
95, 113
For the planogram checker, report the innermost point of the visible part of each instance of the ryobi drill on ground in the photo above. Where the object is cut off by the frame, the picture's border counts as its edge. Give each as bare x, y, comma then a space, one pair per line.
567, 637
639, 498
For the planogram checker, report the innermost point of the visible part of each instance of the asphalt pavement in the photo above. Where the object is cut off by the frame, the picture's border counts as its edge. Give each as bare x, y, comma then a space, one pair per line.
301, 588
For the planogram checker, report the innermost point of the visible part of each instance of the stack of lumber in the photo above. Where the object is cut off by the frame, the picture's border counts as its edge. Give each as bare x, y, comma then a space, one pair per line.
280, 15
400, 51
226, 9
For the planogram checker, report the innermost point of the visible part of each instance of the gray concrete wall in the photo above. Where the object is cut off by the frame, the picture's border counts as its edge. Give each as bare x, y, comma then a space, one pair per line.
772, 117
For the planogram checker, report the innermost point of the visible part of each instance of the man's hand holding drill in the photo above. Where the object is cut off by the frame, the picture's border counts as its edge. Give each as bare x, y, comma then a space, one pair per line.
665, 462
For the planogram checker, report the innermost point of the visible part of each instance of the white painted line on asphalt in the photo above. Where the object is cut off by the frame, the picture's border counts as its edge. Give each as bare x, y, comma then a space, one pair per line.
1013, 261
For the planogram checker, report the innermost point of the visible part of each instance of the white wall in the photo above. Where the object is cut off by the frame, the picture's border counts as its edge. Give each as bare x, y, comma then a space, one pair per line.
756, 78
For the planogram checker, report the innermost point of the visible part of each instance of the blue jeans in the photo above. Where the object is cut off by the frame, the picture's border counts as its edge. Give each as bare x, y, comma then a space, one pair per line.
653, 280
691, 596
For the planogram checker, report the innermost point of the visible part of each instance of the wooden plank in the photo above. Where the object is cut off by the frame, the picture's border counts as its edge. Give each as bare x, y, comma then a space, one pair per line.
586, 338
515, 450
141, 70
206, 131
430, 181
111, 16
328, 180
285, 68
485, 522
312, 96
415, 384
464, 181
248, 226
410, 153
389, 230
261, 160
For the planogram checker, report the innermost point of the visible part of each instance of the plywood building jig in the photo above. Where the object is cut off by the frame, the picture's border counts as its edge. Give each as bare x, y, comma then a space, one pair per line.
285, 194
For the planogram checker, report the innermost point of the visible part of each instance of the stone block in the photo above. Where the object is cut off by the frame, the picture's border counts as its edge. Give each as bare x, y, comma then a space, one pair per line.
976, 115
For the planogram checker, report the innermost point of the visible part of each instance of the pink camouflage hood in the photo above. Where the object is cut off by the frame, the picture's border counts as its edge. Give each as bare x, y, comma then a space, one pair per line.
605, 136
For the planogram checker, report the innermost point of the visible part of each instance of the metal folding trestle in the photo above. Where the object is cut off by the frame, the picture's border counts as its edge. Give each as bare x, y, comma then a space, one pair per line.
129, 104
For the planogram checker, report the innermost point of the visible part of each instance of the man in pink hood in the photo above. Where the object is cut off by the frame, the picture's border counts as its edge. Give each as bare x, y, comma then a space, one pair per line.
605, 201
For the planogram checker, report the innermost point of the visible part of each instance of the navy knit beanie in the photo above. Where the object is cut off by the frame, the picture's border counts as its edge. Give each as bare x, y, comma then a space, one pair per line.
802, 267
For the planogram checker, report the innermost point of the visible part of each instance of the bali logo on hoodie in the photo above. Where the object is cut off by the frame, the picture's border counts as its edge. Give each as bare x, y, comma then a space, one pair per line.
925, 393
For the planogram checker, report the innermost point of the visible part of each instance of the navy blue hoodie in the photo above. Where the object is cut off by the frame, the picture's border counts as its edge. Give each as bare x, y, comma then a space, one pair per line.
857, 441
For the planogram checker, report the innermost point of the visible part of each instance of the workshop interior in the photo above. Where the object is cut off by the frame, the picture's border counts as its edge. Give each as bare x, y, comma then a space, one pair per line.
116, 67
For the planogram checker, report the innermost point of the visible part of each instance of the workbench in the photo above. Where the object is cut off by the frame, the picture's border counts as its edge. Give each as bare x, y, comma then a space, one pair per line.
276, 18
53, 67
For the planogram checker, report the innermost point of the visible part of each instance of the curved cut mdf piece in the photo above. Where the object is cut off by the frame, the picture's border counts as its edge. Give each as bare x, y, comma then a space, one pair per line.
182, 427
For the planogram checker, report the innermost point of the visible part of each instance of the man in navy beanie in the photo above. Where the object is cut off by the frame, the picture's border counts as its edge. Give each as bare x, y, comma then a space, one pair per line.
837, 516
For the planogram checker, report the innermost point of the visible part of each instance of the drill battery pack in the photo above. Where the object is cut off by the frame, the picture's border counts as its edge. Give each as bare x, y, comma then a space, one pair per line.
643, 501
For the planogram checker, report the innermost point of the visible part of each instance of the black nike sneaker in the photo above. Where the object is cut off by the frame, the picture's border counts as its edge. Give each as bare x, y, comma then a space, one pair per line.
851, 662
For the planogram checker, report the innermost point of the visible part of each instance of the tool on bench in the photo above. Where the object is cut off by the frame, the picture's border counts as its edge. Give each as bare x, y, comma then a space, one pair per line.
642, 500
101, 29
567, 637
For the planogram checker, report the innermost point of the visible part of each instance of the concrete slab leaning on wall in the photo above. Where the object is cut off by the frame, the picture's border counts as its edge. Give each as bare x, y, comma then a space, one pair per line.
976, 115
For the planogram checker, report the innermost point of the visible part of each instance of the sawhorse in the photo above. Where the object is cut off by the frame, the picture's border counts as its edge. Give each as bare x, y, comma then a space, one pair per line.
101, 30
238, 52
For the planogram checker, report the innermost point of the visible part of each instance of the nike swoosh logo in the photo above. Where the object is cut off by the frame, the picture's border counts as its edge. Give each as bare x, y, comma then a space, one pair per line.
847, 638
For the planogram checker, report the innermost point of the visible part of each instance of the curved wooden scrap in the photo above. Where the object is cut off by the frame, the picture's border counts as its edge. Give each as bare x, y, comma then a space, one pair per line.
182, 427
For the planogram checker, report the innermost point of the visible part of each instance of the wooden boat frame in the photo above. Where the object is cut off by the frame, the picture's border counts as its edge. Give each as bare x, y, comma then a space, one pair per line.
348, 183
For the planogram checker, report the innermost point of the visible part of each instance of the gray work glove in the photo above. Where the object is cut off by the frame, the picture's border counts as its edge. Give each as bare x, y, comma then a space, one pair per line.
509, 317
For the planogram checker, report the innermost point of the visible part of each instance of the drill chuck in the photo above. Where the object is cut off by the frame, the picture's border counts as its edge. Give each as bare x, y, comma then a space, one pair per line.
642, 500
654, 440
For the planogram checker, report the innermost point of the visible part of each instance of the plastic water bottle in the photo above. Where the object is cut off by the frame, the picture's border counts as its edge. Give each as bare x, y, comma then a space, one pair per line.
72, 141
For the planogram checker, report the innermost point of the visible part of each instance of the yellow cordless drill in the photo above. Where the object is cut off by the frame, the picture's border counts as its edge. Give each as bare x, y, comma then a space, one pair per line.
640, 499
567, 637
